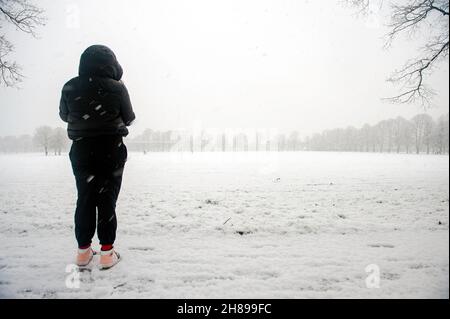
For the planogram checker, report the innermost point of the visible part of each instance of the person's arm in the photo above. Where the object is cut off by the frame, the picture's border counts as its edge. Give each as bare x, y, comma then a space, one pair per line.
126, 109
63, 110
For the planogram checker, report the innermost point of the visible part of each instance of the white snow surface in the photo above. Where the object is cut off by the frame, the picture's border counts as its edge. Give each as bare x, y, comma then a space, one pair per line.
236, 225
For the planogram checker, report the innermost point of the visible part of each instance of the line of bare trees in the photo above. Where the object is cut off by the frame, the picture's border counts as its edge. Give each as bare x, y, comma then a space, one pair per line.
421, 134
45, 139
214, 141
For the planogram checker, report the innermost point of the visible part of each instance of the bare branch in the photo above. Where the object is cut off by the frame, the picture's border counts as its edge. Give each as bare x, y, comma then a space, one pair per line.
25, 16
407, 18
362, 5
442, 7
412, 75
9, 71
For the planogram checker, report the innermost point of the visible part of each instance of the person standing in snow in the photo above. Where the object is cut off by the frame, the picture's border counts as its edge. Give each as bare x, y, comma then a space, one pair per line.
97, 108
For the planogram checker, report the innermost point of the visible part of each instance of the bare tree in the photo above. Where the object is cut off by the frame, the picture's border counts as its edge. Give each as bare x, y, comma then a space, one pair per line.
205, 140
25, 16
58, 140
422, 130
401, 134
366, 135
407, 136
441, 135
429, 126
381, 135
258, 139
294, 141
223, 142
389, 132
350, 139
42, 137
16, 144
431, 16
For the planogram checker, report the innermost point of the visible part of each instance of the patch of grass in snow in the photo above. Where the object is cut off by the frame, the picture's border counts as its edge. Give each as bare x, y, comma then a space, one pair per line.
381, 245
243, 232
211, 202
142, 248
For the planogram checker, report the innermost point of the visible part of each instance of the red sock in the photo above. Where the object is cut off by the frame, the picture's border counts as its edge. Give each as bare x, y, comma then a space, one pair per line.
107, 247
84, 247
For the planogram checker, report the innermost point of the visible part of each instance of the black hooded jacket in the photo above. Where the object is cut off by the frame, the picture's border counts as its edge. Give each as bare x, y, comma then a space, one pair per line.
96, 102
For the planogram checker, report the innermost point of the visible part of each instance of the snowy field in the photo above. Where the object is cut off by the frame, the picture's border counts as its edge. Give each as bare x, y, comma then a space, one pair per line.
236, 225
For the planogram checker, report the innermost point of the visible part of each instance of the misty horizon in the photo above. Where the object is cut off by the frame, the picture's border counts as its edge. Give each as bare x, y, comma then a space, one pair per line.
241, 129
420, 134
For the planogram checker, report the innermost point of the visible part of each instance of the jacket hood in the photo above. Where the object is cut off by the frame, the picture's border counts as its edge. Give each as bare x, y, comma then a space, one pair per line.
99, 60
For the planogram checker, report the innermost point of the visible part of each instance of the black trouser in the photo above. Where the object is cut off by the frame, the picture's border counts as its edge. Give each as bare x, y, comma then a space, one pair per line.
97, 163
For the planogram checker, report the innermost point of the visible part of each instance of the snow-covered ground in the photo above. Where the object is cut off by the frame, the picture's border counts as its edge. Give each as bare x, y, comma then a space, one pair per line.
237, 225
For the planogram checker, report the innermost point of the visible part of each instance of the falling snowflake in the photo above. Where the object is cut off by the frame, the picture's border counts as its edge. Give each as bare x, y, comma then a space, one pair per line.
78, 98
118, 172
86, 116
102, 93
103, 113
90, 79
90, 178
119, 145
98, 107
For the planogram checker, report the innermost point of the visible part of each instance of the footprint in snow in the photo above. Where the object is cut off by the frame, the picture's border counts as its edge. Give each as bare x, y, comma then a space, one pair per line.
390, 276
142, 248
418, 266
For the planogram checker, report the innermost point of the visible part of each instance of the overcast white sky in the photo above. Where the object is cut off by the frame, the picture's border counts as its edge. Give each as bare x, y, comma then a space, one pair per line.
286, 64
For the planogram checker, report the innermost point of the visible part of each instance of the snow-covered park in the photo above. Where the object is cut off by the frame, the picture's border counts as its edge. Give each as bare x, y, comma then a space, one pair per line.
236, 225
